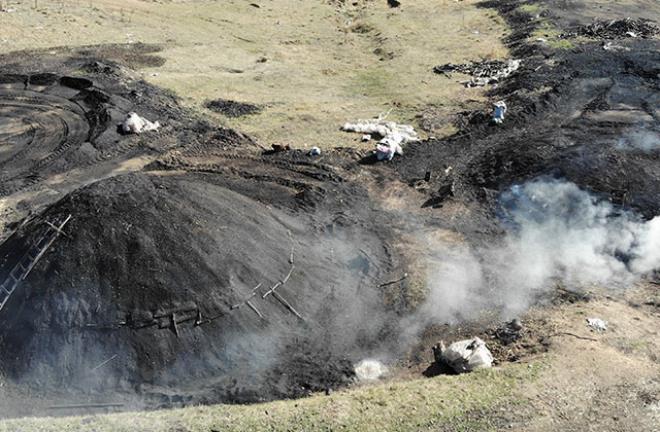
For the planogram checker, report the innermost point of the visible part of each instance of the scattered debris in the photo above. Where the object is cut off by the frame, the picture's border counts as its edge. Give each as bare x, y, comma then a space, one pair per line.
597, 324
136, 125
232, 109
509, 332
563, 295
382, 128
315, 151
370, 370
625, 28
392, 135
464, 356
499, 110
609, 46
483, 73
277, 148
387, 151
99, 68
401, 279
105, 362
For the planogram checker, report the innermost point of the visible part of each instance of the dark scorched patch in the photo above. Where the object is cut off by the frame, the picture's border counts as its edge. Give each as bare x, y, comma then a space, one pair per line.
232, 109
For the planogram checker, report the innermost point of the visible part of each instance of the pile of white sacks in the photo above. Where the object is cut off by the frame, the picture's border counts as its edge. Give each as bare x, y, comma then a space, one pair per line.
465, 355
392, 135
134, 124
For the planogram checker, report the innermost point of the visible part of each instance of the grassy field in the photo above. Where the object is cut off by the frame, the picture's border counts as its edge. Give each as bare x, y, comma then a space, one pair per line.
450, 402
313, 65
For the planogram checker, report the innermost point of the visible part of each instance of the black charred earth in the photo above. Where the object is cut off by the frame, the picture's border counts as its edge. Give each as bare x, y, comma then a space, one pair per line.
194, 268
589, 114
171, 277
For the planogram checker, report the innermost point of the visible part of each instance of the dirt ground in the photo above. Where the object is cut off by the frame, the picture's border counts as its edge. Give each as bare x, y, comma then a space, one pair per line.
609, 384
312, 66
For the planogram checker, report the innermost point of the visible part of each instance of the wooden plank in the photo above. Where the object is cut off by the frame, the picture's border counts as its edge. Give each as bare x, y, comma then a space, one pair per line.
287, 305
105, 362
57, 229
272, 290
90, 405
175, 326
254, 308
280, 283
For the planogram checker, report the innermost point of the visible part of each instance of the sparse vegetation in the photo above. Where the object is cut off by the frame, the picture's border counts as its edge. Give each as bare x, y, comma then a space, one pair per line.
418, 405
313, 65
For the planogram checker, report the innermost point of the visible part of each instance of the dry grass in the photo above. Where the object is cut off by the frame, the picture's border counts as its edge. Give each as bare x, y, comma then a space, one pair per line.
419, 405
324, 64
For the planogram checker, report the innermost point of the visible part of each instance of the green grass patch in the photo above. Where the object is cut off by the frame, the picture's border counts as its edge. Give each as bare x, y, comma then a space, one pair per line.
372, 82
449, 402
561, 44
552, 35
531, 9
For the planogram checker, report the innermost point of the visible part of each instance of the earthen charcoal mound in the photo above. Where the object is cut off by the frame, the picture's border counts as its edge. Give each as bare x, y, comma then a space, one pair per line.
160, 286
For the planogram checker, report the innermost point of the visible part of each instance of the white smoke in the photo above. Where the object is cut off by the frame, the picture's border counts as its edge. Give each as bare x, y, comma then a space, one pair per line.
640, 138
370, 370
556, 233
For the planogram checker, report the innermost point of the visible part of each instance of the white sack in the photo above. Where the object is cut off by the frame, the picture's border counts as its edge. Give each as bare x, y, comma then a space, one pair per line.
467, 355
136, 124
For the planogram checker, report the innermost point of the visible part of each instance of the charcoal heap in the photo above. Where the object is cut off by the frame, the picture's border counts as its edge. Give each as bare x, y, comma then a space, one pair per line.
483, 73
625, 28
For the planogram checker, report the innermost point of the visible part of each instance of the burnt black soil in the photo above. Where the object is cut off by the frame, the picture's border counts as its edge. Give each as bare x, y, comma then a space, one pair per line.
144, 300
624, 28
146, 250
231, 108
66, 121
569, 112
45, 118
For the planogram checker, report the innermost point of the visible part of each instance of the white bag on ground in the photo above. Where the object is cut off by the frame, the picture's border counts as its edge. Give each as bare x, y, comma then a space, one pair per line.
136, 124
393, 135
466, 355
597, 324
499, 110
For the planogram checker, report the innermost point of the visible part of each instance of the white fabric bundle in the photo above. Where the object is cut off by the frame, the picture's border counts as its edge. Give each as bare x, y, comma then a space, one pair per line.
467, 355
392, 134
136, 124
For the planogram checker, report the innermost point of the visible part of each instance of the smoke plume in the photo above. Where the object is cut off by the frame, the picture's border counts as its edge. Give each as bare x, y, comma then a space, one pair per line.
556, 233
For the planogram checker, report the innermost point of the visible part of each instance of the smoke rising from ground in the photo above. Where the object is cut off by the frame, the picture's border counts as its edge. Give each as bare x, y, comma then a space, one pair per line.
646, 140
556, 233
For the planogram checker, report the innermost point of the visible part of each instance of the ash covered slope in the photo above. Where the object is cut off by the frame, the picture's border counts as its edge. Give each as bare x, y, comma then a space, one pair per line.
145, 250
59, 117
589, 115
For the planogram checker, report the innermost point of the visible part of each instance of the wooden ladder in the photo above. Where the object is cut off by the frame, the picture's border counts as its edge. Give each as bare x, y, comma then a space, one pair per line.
25, 265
